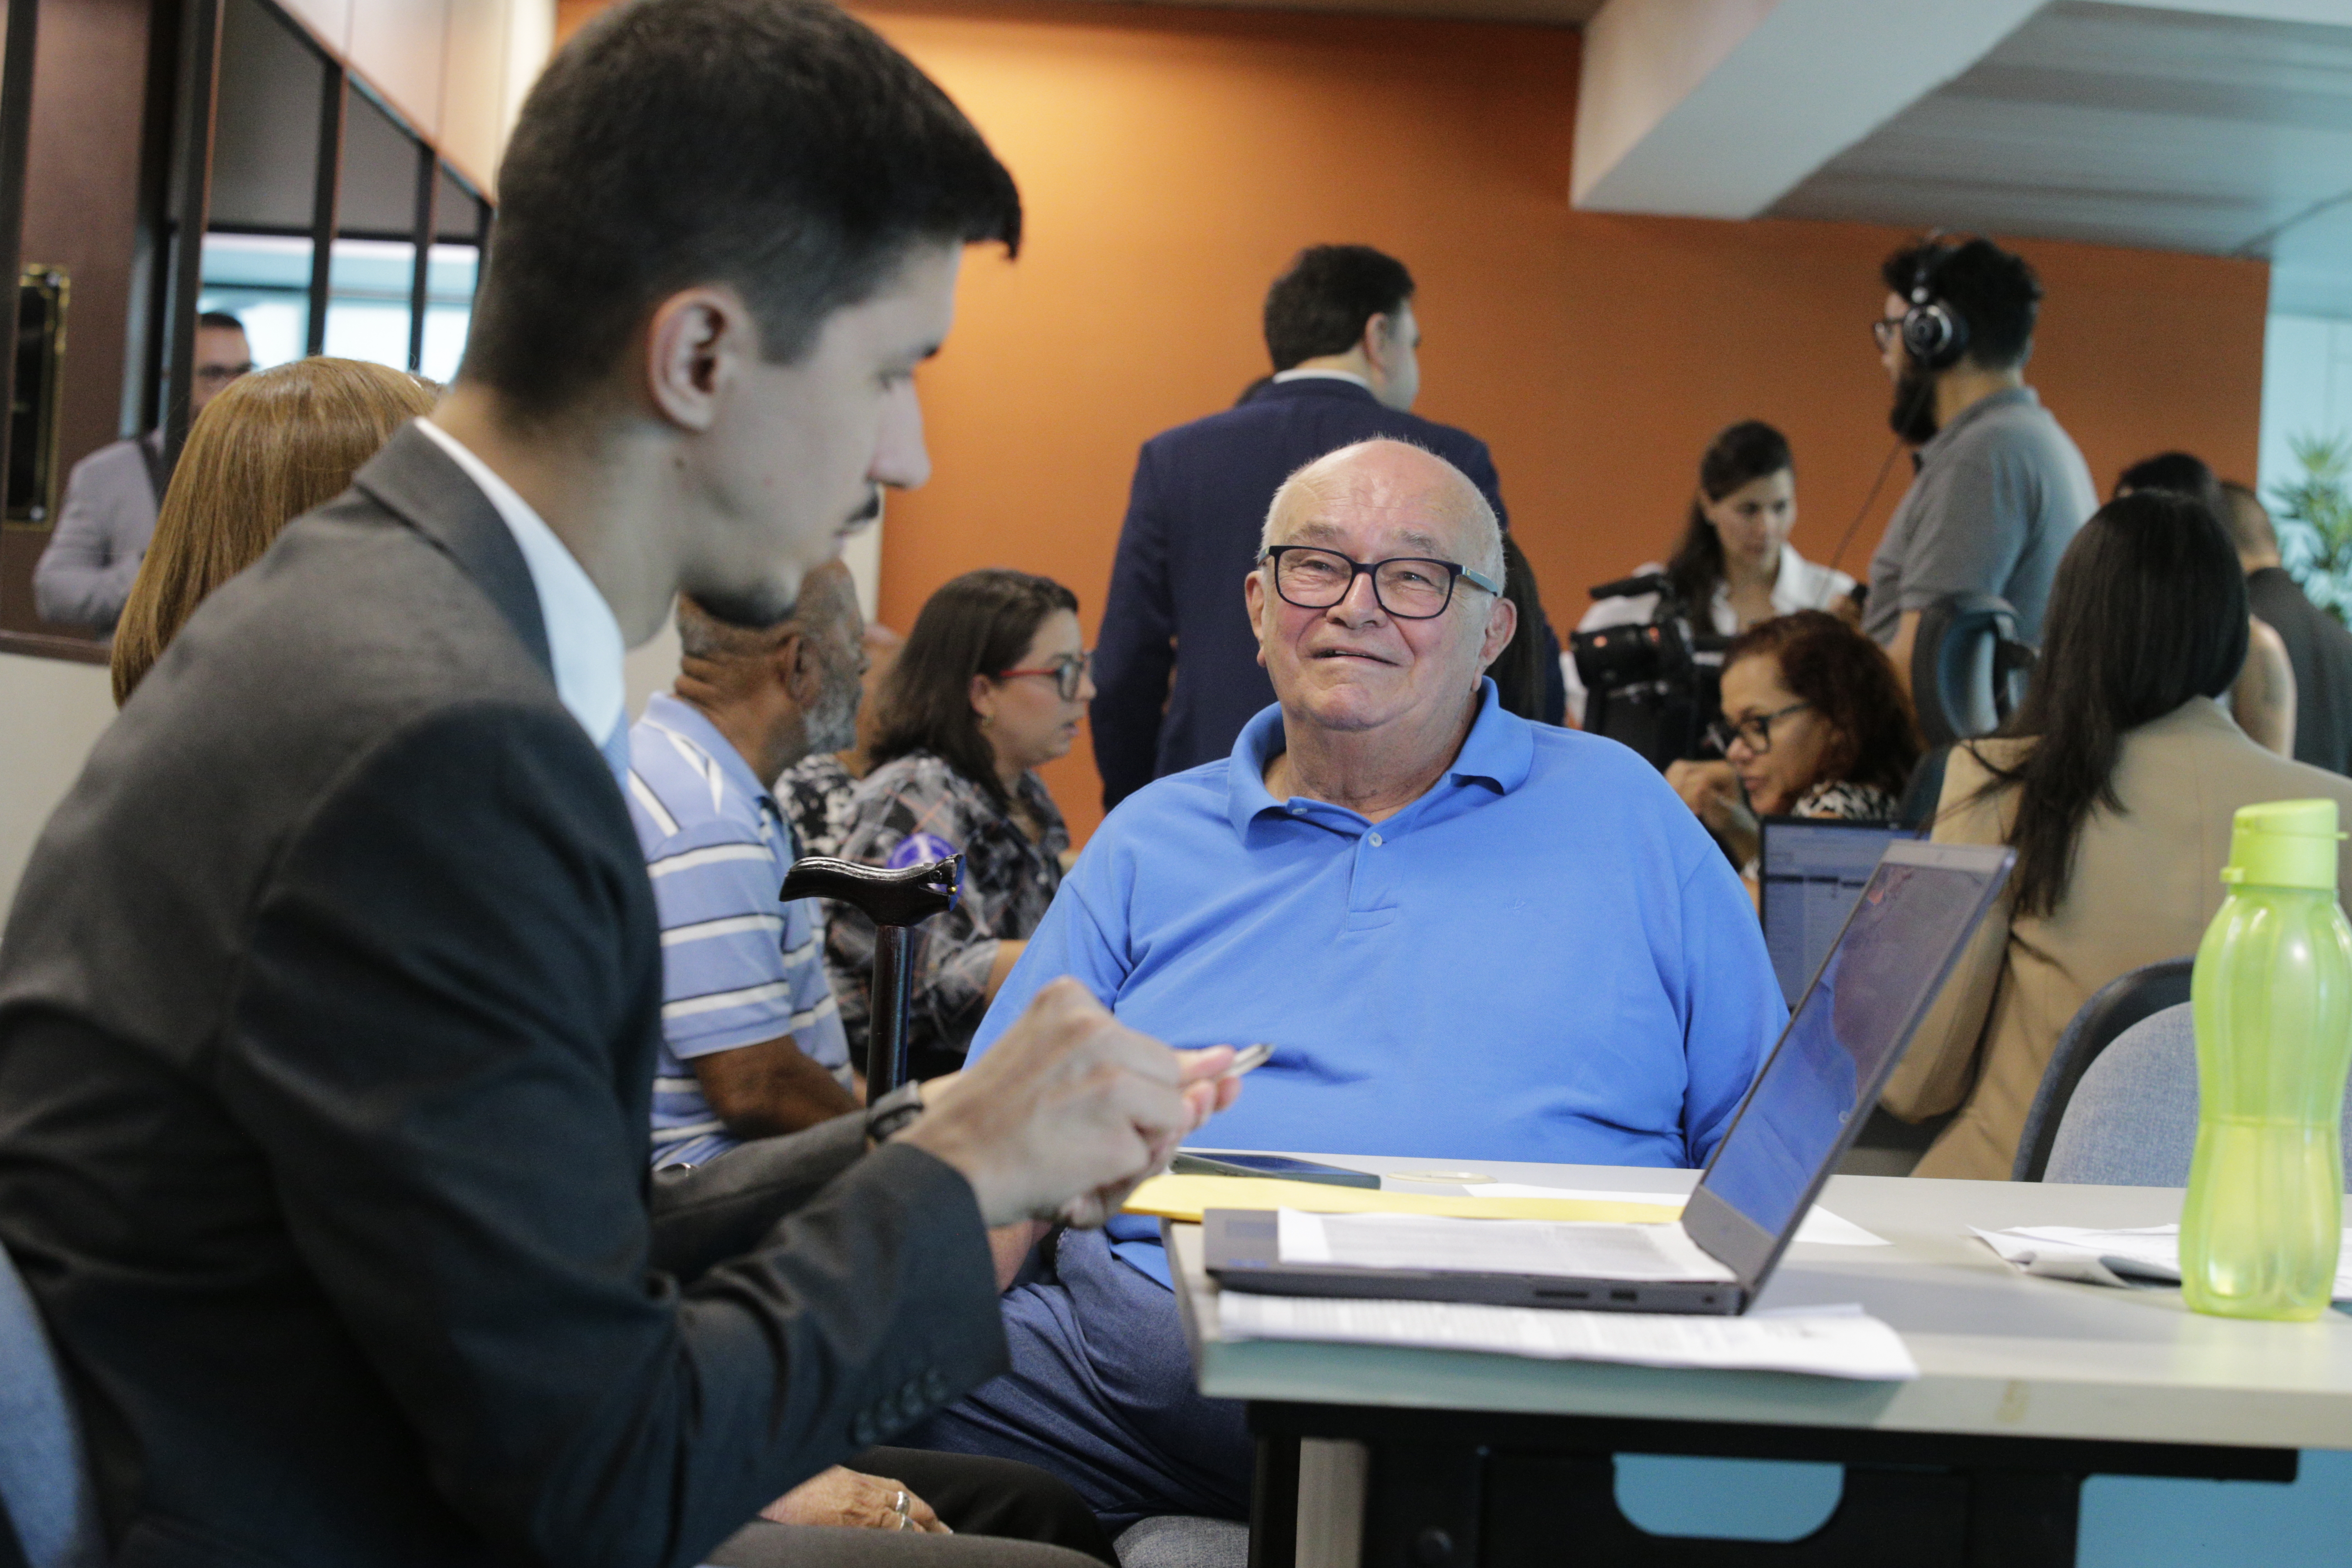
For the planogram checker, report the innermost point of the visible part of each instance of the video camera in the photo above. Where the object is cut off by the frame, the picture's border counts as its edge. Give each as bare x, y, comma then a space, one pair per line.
1657, 686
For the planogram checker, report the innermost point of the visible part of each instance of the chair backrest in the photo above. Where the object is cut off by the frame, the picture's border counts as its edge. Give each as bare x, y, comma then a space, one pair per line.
2114, 1007
1968, 667
2133, 1118
45, 1488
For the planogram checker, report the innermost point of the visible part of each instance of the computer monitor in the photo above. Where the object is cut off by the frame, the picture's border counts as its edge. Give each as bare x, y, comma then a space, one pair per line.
1809, 871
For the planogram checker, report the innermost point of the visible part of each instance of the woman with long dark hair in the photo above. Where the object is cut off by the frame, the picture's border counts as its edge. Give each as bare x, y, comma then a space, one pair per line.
1734, 566
991, 683
2116, 782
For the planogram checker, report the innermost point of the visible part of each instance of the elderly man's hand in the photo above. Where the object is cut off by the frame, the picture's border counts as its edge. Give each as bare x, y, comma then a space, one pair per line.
1068, 1111
857, 1501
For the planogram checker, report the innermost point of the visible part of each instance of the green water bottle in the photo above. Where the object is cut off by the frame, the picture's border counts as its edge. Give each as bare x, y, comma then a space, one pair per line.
2272, 1002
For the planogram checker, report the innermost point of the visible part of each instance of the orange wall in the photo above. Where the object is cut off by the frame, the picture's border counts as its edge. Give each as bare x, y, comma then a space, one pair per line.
1171, 161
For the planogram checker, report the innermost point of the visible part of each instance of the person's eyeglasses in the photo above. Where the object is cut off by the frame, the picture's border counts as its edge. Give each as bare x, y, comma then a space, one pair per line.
1069, 673
1410, 587
1885, 330
1756, 729
222, 374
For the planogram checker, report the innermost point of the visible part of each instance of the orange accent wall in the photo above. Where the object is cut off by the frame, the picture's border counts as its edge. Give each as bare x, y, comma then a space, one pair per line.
1171, 161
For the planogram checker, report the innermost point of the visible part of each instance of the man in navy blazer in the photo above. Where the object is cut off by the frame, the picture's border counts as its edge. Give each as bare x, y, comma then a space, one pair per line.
1340, 326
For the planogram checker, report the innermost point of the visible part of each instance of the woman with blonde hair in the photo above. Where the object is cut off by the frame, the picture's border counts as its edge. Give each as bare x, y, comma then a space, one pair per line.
266, 450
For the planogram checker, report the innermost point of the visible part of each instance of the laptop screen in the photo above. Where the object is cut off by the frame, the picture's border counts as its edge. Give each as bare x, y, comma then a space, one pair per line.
1811, 870
1907, 929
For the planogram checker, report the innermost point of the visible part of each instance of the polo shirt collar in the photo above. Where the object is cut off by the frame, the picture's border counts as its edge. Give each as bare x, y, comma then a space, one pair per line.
1499, 751
681, 718
2007, 397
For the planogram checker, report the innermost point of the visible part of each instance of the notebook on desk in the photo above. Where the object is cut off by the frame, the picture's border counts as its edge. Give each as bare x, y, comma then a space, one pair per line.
1809, 871
1898, 946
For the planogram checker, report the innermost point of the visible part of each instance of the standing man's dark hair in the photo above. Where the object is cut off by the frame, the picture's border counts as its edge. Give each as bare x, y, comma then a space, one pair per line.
403, 1001
1320, 305
784, 148
1995, 292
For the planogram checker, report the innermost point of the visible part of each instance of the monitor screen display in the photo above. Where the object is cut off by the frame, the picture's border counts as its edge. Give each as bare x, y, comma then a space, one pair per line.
1908, 927
1810, 873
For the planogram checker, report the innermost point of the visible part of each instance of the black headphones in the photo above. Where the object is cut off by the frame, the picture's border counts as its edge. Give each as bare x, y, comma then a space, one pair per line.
1934, 333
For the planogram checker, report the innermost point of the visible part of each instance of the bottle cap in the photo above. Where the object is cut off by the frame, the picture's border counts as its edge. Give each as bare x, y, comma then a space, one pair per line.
2283, 844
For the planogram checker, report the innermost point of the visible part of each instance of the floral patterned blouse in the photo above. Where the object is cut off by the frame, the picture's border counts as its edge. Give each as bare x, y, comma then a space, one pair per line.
912, 811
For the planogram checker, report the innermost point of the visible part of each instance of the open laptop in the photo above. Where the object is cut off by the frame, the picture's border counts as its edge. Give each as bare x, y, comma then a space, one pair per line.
1809, 871
1898, 946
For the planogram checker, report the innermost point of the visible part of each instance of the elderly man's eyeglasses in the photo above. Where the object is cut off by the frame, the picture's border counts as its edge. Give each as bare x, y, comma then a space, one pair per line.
1756, 729
1069, 673
222, 374
1884, 329
1410, 587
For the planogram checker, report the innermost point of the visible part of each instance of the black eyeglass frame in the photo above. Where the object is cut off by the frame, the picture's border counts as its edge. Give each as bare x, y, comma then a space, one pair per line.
1723, 732
1454, 570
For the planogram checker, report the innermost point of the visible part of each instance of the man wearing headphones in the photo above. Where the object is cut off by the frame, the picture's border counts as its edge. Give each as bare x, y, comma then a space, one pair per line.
1999, 489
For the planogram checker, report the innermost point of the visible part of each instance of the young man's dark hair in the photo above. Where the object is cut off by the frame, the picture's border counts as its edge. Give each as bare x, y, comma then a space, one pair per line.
657, 152
1320, 305
1997, 292
220, 319
2180, 474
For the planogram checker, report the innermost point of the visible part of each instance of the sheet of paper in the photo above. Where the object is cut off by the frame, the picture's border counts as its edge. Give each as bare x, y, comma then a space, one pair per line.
1823, 1343
1549, 1248
1819, 1225
1183, 1198
2115, 1256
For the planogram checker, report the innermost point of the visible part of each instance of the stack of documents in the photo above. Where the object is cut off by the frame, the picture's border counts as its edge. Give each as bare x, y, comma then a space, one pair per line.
1830, 1341
2150, 1255
1822, 1342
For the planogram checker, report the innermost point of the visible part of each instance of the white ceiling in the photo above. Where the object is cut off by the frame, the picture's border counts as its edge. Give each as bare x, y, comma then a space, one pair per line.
2134, 126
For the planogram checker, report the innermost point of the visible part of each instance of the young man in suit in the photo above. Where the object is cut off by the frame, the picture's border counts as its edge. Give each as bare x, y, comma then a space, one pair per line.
331, 995
1340, 327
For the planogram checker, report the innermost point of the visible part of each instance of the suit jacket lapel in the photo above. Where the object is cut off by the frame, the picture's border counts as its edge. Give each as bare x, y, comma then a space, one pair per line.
416, 480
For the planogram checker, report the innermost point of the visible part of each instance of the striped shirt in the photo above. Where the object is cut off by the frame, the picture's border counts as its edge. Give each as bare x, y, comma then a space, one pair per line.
738, 965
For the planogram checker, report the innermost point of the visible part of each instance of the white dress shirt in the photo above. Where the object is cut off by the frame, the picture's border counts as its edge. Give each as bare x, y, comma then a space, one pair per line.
1322, 376
584, 640
1803, 585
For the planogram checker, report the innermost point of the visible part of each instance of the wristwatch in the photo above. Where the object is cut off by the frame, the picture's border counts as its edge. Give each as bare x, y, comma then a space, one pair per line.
894, 1112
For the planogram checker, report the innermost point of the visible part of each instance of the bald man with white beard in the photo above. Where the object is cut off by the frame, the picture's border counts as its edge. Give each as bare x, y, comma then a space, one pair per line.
1467, 936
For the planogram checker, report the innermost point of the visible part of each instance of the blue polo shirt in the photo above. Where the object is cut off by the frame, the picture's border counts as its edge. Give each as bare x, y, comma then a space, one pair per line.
1544, 958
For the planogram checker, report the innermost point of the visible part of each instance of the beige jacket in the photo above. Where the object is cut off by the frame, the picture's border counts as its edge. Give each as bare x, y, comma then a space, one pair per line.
2145, 882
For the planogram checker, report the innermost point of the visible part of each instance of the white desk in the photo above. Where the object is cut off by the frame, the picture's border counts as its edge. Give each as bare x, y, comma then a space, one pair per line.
2027, 1385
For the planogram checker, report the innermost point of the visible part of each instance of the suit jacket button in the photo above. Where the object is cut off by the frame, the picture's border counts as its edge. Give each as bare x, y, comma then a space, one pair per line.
935, 1387
863, 1431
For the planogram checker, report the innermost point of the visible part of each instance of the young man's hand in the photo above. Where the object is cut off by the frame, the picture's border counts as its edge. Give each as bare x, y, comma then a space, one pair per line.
1068, 1111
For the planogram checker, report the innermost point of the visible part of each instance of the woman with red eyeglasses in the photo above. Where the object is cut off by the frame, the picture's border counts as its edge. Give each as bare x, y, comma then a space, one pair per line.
991, 685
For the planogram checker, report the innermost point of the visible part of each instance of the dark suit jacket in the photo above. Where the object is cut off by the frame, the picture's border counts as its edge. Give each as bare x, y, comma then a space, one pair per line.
328, 1008
2320, 649
1192, 521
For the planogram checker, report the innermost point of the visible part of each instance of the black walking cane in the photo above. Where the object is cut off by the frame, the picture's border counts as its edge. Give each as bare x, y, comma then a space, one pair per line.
895, 902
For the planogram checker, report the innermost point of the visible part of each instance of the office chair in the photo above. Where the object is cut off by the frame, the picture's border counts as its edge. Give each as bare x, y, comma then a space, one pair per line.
2114, 1009
48, 1510
1968, 667
2133, 1118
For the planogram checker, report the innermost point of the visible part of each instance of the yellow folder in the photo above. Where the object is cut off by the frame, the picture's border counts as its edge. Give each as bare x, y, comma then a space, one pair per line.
1183, 1198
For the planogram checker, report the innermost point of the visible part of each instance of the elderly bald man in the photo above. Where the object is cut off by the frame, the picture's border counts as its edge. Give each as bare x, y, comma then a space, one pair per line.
1467, 936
